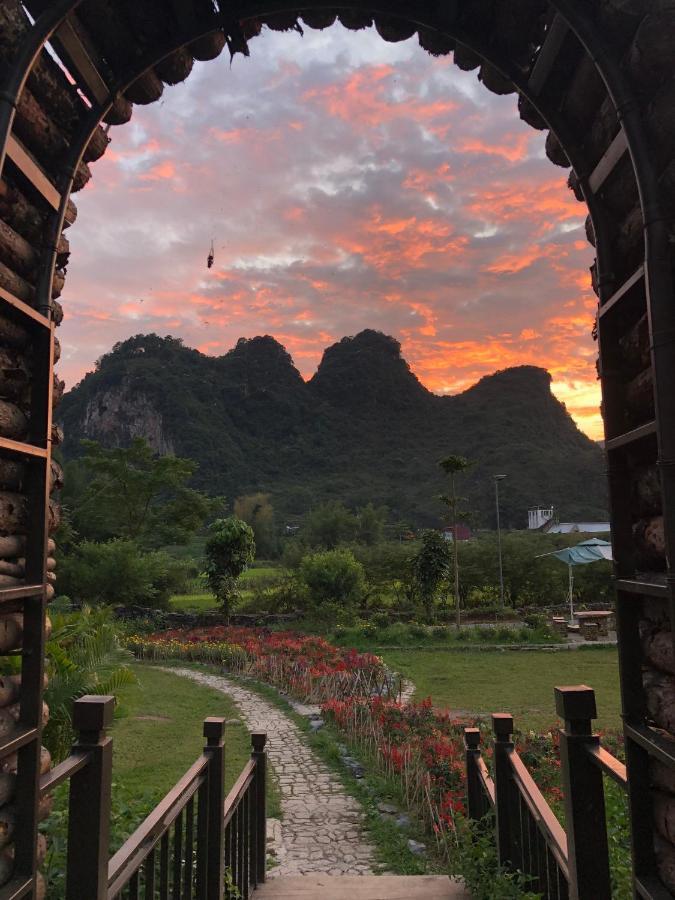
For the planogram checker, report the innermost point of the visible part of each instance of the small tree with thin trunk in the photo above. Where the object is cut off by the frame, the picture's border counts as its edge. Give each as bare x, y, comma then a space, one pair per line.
430, 568
230, 547
453, 466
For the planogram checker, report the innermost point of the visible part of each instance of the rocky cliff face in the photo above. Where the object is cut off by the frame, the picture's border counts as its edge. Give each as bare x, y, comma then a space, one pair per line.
119, 414
362, 429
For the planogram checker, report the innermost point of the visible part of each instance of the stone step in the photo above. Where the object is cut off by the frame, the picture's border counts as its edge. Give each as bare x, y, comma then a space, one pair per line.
361, 887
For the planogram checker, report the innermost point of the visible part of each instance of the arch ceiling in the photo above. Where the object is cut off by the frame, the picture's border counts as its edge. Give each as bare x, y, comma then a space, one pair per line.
595, 75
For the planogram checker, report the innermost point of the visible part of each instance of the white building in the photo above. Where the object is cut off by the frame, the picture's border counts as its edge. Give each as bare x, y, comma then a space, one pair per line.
544, 519
538, 516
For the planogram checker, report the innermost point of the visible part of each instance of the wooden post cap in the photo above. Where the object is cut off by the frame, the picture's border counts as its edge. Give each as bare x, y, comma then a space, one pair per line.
93, 713
502, 725
214, 729
472, 738
258, 741
575, 702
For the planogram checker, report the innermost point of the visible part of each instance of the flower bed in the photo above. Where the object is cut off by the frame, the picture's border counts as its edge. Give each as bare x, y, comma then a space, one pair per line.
424, 750
221, 653
306, 667
418, 746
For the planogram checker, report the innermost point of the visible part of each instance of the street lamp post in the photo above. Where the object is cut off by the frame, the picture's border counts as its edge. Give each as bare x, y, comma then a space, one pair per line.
499, 478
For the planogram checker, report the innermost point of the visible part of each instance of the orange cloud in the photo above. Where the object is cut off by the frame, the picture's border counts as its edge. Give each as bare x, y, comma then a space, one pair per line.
362, 99
510, 263
160, 172
527, 200
513, 150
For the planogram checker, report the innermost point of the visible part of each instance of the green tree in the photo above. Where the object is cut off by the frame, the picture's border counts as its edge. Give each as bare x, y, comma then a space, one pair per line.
430, 569
118, 572
387, 570
371, 521
454, 466
530, 578
131, 492
329, 525
257, 511
334, 580
230, 548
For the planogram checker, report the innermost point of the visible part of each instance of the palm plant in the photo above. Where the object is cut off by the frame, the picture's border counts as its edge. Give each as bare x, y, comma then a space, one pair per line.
84, 656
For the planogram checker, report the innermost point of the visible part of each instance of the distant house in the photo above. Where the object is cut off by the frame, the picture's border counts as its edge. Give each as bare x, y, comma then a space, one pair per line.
464, 533
544, 519
578, 528
539, 516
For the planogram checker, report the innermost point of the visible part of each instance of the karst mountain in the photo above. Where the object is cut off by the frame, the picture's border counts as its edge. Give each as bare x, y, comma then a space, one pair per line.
362, 429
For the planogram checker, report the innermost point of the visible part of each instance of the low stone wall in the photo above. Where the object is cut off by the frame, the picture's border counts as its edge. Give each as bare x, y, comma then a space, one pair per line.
162, 618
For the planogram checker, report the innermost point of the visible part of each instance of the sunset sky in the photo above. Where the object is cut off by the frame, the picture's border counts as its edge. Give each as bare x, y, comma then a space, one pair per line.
347, 183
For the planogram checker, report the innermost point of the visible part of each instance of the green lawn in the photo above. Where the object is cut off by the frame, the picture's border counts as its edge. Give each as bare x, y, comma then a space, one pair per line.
255, 572
206, 601
158, 734
193, 602
518, 682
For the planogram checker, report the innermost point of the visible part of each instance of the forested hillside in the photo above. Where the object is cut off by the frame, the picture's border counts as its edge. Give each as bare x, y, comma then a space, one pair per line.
362, 429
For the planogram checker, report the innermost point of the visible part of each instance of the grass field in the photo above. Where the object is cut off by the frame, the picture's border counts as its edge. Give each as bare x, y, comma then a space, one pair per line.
518, 682
158, 734
205, 601
192, 602
260, 571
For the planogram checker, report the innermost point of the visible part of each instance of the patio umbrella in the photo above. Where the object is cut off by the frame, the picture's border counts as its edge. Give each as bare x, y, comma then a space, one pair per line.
581, 554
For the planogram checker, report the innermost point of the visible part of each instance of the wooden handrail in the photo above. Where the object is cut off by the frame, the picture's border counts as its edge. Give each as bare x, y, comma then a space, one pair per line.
131, 854
63, 771
238, 790
610, 765
486, 780
541, 811
190, 822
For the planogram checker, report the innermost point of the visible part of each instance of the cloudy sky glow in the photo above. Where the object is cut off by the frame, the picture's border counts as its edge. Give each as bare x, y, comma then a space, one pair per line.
347, 184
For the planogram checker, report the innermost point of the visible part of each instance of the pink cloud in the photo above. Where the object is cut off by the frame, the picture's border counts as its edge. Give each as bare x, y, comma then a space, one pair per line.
341, 194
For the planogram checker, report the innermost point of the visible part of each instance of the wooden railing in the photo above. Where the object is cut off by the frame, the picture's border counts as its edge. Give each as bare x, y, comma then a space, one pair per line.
561, 863
191, 845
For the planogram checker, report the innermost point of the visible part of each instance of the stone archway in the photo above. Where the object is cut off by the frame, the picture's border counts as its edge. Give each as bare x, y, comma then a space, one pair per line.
596, 74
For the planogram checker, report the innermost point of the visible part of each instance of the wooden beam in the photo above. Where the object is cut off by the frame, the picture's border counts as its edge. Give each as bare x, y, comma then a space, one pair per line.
548, 54
609, 160
32, 171
83, 68
24, 308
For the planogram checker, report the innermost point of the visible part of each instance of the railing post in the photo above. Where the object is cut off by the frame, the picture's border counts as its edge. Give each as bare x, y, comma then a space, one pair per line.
502, 726
89, 802
474, 790
588, 853
214, 732
258, 821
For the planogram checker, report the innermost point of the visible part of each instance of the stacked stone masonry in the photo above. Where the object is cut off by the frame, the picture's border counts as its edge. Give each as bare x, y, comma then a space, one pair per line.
142, 45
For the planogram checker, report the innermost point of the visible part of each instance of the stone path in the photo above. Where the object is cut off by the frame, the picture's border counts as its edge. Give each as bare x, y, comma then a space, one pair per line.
321, 829
407, 691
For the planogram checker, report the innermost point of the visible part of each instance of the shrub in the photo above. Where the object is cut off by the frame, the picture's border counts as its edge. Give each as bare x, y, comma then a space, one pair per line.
118, 572
334, 581
417, 630
274, 595
84, 656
